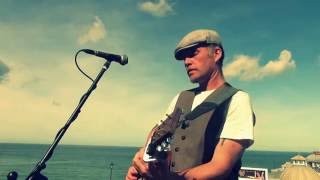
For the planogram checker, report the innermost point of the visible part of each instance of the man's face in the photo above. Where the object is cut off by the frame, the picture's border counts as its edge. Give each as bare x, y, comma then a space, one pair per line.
200, 64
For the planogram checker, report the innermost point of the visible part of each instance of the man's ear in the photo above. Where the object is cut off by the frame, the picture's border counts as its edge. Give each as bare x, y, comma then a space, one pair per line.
217, 54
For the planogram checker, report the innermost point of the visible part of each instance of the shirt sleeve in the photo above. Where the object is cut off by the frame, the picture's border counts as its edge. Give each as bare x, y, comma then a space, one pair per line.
240, 119
170, 108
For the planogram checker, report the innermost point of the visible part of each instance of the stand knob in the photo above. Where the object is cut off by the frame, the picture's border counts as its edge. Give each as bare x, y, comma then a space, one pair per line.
13, 175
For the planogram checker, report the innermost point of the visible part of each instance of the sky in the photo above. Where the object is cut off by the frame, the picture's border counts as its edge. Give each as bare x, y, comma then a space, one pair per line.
272, 52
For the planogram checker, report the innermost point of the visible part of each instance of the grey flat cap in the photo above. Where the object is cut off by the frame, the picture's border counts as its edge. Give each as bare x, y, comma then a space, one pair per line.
195, 38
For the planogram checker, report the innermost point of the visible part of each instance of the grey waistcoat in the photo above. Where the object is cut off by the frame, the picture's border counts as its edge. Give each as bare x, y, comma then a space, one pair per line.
194, 141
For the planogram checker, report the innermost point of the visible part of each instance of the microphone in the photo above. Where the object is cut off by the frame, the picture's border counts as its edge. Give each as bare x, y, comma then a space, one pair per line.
123, 60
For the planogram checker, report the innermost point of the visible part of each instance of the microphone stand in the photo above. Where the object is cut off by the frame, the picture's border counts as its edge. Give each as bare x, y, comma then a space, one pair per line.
36, 172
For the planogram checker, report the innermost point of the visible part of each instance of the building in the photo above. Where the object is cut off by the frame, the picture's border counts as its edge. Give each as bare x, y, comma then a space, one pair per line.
313, 160
299, 173
302, 168
298, 160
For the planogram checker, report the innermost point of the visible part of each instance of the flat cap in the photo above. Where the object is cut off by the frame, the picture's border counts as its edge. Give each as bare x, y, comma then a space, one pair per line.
195, 38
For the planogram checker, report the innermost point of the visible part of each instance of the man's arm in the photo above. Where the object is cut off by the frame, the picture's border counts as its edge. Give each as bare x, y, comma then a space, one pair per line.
225, 156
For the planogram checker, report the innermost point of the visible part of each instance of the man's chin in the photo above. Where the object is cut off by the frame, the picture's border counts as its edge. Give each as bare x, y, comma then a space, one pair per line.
198, 80
193, 80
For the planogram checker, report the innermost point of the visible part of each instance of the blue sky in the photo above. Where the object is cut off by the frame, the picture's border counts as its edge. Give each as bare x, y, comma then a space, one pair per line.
272, 52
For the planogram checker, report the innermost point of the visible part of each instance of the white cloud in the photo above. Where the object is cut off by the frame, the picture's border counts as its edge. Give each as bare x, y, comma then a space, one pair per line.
19, 75
247, 68
4, 70
95, 33
31, 106
160, 9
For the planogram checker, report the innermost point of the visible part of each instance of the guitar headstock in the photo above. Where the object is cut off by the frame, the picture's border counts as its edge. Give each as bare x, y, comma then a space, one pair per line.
159, 143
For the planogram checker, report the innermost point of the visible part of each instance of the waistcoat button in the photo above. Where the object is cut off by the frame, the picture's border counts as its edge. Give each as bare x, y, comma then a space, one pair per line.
183, 137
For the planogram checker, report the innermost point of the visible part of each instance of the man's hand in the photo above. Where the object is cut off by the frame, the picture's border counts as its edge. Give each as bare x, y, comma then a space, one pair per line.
153, 170
139, 168
132, 174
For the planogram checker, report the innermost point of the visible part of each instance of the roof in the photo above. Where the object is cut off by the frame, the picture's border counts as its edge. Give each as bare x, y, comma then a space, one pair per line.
298, 158
299, 172
314, 157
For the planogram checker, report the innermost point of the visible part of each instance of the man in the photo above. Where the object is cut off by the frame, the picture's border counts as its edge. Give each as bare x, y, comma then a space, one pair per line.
219, 119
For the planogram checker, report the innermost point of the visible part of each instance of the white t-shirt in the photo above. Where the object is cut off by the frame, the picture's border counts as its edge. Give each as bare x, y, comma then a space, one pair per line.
239, 120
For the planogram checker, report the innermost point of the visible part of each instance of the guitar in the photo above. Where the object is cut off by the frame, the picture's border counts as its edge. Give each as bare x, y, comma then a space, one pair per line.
158, 145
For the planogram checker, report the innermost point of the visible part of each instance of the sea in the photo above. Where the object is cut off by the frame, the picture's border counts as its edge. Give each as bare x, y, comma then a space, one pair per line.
83, 162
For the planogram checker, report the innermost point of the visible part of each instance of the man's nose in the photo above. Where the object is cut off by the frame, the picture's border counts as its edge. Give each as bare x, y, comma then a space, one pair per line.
187, 61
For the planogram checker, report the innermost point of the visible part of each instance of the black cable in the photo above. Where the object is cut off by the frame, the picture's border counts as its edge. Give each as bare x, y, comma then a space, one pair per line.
65, 127
35, 174
75, 60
